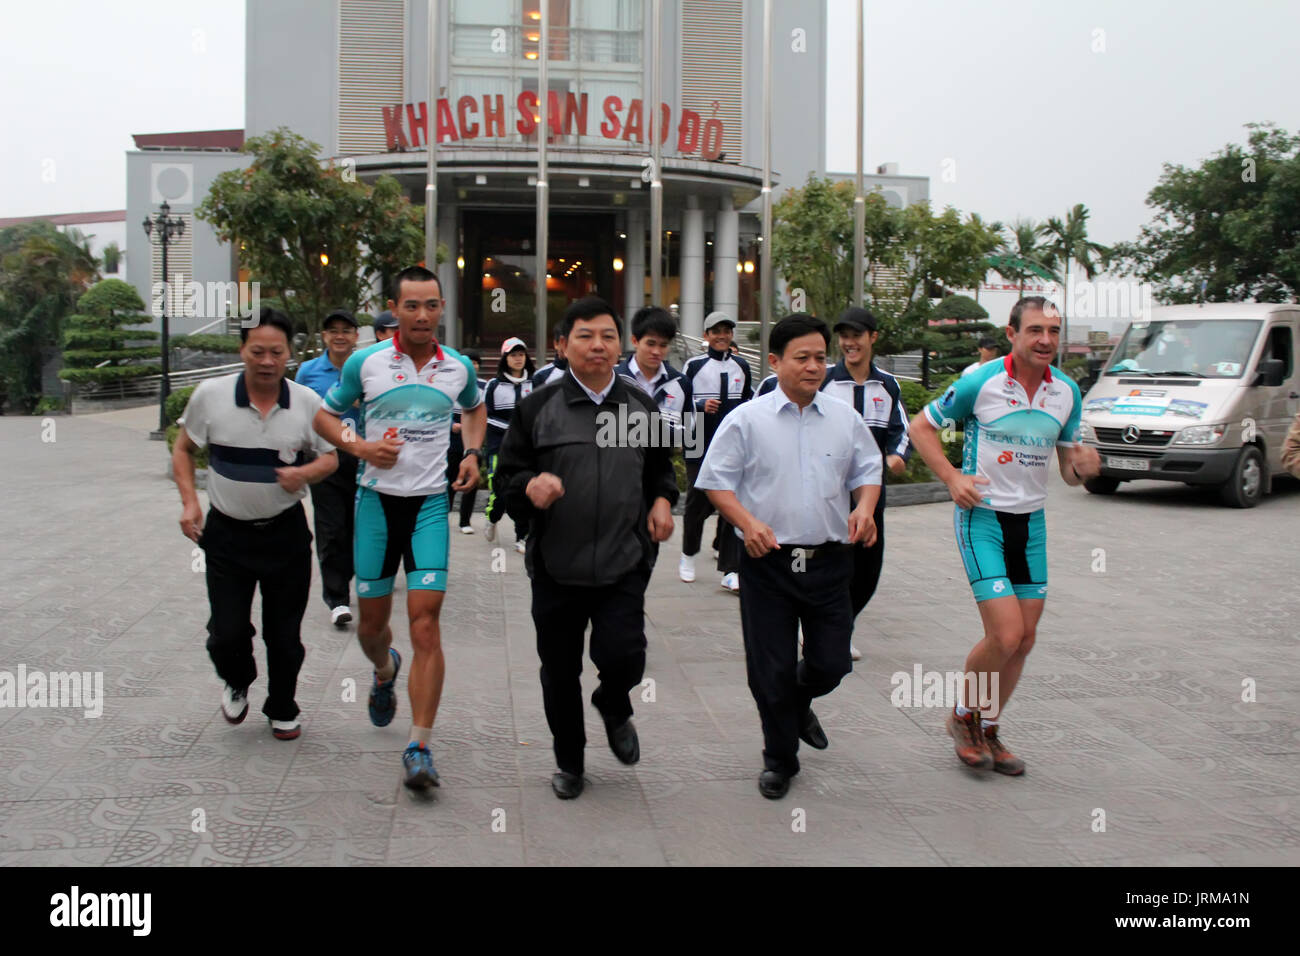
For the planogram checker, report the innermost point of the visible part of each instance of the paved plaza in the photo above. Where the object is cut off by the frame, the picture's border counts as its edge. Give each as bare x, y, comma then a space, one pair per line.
1165, 610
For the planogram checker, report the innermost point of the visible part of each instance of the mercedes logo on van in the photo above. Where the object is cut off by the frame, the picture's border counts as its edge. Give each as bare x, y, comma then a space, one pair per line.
1131, 434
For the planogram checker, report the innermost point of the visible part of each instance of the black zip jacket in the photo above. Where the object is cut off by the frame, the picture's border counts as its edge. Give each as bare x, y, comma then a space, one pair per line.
596, 531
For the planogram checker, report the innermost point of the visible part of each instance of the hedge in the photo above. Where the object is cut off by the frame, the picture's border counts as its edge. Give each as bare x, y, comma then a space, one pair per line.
111, 373
105, 338
175, 404
88, 358
200, 457
206, 343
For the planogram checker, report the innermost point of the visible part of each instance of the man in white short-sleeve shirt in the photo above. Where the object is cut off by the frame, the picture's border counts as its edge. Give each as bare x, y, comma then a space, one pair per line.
262, 455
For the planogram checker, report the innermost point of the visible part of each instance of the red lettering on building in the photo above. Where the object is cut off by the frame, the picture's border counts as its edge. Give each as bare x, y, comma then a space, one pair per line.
688, 132
468, 129
393, 128
494, 118
527, 104
446, 124
612, 125
633, 127
712, 148
419, 127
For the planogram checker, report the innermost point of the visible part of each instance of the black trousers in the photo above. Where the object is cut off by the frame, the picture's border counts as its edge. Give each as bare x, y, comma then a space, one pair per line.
454, 457
778, 592
496, 506
334, 502
561, 613
274, 555
698, 508
867, 563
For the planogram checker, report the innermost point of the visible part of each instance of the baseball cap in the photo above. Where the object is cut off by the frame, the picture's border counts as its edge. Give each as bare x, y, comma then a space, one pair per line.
718, 318
857, 319
510, 344
343, 314
385, 320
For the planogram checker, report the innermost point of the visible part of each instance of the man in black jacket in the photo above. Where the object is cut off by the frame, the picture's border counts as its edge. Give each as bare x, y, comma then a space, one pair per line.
598, 488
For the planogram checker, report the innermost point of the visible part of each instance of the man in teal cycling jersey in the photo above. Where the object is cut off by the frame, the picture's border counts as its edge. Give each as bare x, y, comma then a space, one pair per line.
407, 386
1012, 412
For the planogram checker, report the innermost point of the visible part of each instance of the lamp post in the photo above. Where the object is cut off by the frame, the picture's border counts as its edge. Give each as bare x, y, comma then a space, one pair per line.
167, 228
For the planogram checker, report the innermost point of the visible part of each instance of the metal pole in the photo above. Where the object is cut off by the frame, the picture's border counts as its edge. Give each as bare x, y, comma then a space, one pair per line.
765, 254
859, 199
656, 184
431, 136
543, 198
163, 389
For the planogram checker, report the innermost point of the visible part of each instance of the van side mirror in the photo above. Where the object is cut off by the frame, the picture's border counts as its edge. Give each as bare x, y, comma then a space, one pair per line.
1269, 372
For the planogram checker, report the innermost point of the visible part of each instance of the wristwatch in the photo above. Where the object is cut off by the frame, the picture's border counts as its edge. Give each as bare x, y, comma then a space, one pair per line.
476, 452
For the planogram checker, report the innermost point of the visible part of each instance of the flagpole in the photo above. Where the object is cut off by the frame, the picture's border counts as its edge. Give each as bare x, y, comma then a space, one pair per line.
859, 199
765, 255
656, 184
431, 138
543, 198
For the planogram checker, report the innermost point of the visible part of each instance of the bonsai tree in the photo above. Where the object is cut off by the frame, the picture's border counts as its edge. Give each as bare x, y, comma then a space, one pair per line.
954, 329
97, 346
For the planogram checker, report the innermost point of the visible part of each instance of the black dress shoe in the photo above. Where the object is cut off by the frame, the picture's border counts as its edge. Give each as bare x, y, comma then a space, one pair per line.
773, 784
566, 785
623, 741
811, 732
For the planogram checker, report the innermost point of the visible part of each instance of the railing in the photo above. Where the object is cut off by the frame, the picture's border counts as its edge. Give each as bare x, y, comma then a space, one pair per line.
906, 366
147, 386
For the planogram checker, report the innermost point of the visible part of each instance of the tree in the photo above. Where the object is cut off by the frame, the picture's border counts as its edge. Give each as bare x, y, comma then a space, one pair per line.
315, 238
1068, 243
42, 273
95, 344
112, 257
1232, 223
955, 327
936, 252
1023, 255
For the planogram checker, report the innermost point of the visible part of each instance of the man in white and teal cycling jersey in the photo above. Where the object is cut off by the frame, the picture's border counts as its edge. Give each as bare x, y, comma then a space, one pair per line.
406, 386
1013, 413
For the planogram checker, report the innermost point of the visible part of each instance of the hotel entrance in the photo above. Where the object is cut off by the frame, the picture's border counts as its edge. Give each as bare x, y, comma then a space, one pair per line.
497, 294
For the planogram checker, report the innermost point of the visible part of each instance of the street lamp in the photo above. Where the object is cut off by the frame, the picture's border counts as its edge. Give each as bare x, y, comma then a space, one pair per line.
167, 229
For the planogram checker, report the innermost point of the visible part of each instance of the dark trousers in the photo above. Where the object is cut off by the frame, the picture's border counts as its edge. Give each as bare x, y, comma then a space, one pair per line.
777, 594
867, 563
496, 506
334, 502
274, 555
561, 613
698, 508
454, 457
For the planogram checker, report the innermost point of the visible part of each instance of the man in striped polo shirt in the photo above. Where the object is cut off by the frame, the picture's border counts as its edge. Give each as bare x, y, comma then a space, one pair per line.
257, 427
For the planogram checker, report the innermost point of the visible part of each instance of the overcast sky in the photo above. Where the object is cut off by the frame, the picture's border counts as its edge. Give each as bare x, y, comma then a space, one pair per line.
1005, 97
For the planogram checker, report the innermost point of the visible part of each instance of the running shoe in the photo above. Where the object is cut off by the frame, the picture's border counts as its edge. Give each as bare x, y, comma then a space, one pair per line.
490, 532
731, 582
234, 705
686, 568
383, 696
971, 747
466, 529
1004, 761
342, 616
286, 729
521, 547
854, 653
420, 772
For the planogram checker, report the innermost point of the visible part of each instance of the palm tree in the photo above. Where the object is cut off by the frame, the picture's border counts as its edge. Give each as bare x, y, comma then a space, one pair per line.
1068, 243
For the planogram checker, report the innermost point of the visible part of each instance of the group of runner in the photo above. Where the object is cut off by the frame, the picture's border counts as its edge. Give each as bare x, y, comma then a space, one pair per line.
387, 414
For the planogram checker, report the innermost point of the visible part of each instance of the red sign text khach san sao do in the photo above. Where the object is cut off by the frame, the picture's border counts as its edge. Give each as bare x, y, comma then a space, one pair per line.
408, 127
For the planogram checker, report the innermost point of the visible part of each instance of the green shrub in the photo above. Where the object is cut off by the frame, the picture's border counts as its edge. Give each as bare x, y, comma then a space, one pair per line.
206, 343
47, 404
89, 358
200, 459
110, 373
106, 338
175, 404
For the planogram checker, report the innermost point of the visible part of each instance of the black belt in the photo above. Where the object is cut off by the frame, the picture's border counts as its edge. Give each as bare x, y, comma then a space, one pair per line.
825, 549
260, 523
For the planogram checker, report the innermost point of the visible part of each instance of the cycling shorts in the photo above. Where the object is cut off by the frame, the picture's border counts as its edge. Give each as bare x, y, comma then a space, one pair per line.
394, 528
1004, 553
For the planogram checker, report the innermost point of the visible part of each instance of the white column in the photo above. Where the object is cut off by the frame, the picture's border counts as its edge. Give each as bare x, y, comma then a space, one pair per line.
634, 265
449, 276
726, 253
692, 267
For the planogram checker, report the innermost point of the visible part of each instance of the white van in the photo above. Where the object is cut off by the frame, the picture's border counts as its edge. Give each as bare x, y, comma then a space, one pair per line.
1202, 394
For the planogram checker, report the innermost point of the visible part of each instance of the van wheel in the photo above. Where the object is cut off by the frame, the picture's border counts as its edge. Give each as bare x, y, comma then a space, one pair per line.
1246, 486
1102, 485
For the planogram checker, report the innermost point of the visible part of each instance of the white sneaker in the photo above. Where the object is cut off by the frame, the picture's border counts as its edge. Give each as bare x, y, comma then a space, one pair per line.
686, 568
490, 533
731, 582
466, 529
341, 615
801, 635
855, 653
234, 705
286, 729
521, 547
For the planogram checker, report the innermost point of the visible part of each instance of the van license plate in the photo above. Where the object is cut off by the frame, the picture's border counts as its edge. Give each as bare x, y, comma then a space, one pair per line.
1128, 464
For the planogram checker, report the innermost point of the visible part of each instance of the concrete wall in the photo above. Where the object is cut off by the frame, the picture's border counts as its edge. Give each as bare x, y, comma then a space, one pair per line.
291, 69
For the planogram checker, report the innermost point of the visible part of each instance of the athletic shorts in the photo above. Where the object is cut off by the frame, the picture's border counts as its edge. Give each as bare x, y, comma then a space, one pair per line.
393, 528
1004, 553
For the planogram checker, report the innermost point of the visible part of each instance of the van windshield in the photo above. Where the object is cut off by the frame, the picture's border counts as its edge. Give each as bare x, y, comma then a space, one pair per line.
1198, 348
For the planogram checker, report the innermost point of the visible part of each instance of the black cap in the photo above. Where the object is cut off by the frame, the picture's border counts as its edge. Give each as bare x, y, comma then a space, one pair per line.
385, 320
859, 320
343, 314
